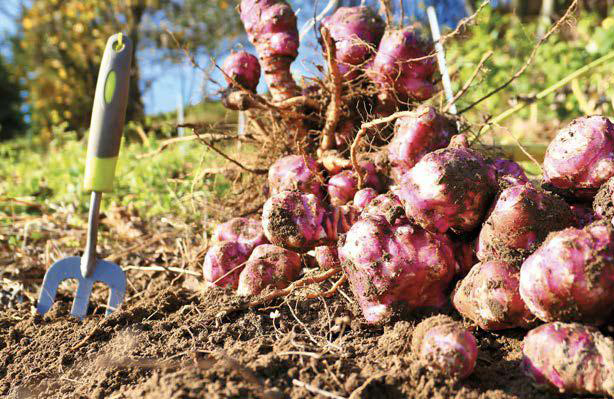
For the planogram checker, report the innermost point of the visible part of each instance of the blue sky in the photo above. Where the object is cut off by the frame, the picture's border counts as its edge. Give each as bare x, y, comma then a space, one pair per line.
175, 82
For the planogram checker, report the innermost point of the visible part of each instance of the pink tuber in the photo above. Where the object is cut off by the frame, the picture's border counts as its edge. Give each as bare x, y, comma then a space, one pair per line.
399, 78
344, 185
448, 189
489, 297
327, 257
446, 346
571, 276
363, 197
580, 158
246, 232
271, 28
268, 266
295, 172
464, 252
571, 358
520, 220
299, 222
584, 213
389, 206
223, 264
356, 32
417, 135
508, 171
389, 265
242, 68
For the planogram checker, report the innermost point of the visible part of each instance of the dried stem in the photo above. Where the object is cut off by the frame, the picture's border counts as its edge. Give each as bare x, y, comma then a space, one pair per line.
223, 155
469, 81
529, 60
297, 284
297, 101
331, 292
334, 107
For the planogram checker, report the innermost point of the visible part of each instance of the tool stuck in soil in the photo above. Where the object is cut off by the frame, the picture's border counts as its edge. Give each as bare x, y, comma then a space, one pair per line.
106, 130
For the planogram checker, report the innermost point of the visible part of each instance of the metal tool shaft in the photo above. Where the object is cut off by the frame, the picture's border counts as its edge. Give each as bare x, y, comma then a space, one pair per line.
88, 260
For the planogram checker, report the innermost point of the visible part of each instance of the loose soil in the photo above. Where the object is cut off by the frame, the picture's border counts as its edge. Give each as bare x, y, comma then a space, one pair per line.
175, 338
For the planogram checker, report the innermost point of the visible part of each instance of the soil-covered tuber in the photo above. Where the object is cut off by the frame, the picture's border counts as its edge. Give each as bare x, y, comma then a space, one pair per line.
519, 222
604, 201
389, 206
417, 135
327, 257
268, 266
223, 264
448, 189
363, 197
570, 277
489, 297
389, 265
356, 32
295, 172
580, 158
271, 28
299, 222
399, 78
570, 358
446, 346
247, 232
508, 171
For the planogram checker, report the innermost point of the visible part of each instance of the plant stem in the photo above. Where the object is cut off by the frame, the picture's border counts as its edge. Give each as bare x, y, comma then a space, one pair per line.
544, 93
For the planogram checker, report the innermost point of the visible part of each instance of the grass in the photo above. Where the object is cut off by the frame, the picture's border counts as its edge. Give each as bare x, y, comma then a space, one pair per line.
34, 177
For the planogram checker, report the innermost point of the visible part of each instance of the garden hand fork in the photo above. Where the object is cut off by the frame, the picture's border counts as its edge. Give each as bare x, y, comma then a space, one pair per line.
106, 129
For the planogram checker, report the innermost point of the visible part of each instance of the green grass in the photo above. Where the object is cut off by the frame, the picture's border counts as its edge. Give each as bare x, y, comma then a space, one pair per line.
51, 178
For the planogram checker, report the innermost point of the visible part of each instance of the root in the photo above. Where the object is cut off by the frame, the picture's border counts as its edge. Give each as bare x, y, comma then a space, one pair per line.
467, 84
334, 107
297, 284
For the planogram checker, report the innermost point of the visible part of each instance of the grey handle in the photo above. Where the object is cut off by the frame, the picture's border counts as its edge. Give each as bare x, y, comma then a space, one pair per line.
111, 98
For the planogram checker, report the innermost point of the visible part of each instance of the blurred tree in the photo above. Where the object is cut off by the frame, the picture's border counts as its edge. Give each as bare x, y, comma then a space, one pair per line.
62, 41
11, 113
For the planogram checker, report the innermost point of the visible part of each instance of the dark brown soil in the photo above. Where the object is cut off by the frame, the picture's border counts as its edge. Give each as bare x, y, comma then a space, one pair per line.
174, 338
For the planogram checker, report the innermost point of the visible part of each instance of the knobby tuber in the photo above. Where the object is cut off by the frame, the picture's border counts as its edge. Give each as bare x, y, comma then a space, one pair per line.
571, 358
389, 265
271, 28
295, 172
489, 297
242, 68
519, 221
268, 266
580, 158
446, 346
570, 277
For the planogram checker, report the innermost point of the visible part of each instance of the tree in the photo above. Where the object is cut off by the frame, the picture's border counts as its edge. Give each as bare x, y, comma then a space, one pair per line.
11, 113
62, 41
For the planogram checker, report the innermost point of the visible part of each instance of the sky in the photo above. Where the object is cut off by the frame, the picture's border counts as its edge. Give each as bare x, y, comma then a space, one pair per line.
174, 83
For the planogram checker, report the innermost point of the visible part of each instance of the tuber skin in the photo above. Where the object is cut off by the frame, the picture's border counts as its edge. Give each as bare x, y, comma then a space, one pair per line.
299, 222
295, 172
584, 214
570, 278
389, 206
570, 358
417, 135
399, 79
580, 158
223, 258
247, 232
448, 189
271, 28
344, 185
268, 266
363, 197
446, 346
243, 68
604, 201
465, 253
489, 297
327, 257
356, 32
389, 265
519, 221
508, 171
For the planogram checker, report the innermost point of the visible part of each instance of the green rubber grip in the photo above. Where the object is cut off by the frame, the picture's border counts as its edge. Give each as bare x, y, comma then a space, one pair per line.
108, 114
